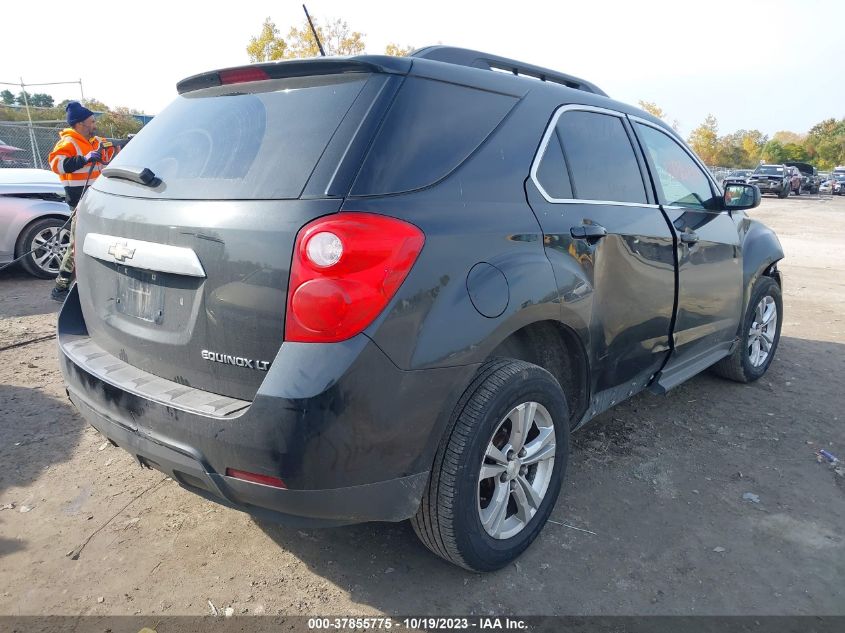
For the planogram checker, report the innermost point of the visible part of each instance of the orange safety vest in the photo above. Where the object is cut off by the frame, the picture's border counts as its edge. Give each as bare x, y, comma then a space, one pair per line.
72, 143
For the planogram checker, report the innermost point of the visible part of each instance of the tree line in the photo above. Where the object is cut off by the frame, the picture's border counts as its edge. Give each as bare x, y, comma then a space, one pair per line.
115, 122
335, 36
823, 146
38, 100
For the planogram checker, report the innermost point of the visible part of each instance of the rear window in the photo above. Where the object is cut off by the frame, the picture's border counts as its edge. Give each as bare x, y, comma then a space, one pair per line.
244, 141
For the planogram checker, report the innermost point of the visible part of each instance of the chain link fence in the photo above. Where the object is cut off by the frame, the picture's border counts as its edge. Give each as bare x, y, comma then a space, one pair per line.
22, 145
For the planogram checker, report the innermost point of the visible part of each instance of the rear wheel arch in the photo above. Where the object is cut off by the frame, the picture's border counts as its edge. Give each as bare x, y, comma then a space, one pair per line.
558, 349
47, 216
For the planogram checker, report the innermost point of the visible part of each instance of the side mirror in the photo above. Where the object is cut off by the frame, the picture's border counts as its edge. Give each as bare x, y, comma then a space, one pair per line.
739, 197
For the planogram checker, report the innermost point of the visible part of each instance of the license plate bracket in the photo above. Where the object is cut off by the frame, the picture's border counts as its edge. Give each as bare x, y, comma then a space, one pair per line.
140, 294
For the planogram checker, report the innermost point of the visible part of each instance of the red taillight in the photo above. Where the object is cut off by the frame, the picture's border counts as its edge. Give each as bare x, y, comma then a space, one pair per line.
339, 284
242, 75
255, 478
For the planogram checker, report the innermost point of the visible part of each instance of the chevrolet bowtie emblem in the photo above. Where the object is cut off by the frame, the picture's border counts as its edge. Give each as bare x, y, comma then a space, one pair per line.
121, 252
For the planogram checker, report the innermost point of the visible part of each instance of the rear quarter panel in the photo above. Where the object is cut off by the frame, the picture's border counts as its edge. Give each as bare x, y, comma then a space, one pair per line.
17, 213
477, 214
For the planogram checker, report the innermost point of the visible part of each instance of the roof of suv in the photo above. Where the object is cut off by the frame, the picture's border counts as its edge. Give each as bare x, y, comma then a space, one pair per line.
447, 63
486, 61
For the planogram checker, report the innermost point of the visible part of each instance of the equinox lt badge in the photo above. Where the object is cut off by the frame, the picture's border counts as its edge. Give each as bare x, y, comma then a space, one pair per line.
217, 357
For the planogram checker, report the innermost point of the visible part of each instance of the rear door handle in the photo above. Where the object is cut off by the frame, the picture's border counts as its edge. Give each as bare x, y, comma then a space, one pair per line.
689, 237
589, 232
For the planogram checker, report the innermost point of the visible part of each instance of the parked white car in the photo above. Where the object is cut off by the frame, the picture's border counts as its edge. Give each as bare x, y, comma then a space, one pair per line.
33, 213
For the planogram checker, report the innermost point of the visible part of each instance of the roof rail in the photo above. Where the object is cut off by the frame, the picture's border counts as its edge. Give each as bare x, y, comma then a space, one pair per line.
477, 59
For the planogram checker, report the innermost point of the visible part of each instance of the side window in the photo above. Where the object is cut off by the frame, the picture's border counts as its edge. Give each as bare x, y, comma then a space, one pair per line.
551, 172
681, 179
600, 157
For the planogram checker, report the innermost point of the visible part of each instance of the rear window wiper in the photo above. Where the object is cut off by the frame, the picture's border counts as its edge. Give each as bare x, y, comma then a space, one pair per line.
141, 175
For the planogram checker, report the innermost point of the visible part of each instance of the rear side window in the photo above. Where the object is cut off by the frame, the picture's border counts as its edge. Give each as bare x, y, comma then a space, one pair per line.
432, 127
600, 157
244, 141
681, 180
551, 172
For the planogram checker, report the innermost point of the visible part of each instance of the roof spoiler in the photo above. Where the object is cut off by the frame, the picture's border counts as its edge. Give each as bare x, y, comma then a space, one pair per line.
293, 68
486, 61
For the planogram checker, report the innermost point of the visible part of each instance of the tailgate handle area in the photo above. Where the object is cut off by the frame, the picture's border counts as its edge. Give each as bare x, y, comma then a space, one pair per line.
164, 258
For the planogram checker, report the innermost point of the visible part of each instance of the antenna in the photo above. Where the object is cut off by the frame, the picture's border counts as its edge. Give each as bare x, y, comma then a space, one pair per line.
314, 31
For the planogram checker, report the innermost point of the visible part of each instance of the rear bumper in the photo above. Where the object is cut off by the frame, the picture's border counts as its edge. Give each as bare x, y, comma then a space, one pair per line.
352, 436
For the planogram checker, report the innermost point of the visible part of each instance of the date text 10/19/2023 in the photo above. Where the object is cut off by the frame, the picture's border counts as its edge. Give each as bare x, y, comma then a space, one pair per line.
417, 623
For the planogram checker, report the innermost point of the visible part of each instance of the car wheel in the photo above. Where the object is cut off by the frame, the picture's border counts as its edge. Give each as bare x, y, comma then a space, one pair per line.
798, 190
48, 240
499, 468
783, 193
759, 335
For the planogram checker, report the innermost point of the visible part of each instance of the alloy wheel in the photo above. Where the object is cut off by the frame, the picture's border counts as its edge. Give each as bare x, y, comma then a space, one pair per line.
516, 470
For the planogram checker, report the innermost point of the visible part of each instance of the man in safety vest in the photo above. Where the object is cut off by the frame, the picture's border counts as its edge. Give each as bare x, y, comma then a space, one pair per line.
77, 159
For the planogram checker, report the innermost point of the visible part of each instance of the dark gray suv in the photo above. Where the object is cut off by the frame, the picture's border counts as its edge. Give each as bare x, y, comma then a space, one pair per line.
339, 290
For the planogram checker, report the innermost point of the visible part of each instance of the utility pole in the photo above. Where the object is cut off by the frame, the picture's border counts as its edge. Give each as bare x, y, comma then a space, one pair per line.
35, 157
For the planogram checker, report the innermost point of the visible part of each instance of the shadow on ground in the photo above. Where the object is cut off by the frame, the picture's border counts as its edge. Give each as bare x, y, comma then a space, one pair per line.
659, 481
23, 295
38, 431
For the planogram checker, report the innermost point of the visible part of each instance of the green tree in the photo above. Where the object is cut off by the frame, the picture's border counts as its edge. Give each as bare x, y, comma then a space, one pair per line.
652, 108
752, 147
786, 136
795, 152
7, 97
94, 105
42, 100
825, 143
117, 123
398, 51
268, 45
23, 98
335, 37
729, 150
773, 152
704, 140
655, 110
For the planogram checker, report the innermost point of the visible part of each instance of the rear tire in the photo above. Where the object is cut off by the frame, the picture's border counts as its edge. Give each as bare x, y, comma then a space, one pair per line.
746, 363
457, 519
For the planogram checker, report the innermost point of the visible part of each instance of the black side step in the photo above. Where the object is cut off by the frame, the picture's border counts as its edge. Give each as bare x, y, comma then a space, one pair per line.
674, 375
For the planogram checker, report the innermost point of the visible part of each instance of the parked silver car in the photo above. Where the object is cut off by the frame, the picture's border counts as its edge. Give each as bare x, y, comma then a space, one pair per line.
33, 213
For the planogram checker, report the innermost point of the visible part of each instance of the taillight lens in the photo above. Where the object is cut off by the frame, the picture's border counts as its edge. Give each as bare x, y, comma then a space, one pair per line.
346, 268
242, 75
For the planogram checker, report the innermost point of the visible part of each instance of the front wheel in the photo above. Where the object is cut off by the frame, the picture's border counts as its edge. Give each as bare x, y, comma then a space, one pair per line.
759, 335
46, 240
499, 468
783, 193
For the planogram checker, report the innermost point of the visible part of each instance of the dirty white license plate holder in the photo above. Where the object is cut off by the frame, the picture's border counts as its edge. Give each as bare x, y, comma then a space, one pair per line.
140, 294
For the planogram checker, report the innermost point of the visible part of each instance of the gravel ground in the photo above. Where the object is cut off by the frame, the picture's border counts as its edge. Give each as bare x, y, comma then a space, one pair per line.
655, 489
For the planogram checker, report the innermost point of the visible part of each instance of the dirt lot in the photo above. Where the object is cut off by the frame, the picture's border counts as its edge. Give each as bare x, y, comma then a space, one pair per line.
655, 485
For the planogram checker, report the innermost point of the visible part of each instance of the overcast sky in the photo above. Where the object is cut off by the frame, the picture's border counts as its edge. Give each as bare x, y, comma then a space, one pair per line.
770, 65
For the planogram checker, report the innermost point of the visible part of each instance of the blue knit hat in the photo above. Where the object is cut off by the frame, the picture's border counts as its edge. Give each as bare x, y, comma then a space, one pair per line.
76, 112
